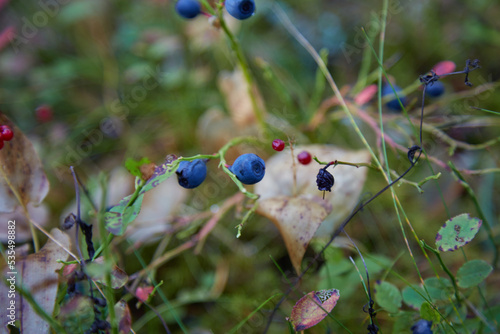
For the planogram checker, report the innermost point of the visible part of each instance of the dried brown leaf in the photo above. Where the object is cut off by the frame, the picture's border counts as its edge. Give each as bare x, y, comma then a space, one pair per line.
38, 274
21, 170
297, 219
311, 214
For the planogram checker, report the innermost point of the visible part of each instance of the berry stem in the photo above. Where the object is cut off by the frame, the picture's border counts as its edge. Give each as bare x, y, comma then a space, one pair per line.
338, 162
235, 46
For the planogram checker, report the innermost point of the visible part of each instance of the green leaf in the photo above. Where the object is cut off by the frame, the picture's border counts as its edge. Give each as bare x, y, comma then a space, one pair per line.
120, 216
412, 298
457, 232
388, 296
472, 273
134, 166
438, 288
403, 323
312, 308
428, 313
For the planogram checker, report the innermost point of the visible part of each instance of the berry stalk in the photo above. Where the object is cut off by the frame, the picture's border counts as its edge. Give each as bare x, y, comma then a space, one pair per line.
235, 46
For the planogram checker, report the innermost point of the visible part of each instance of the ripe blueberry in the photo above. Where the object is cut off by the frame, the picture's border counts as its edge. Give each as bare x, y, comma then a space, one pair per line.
240, 9
248, 168
191, 174
278, 145
435, 89
188, 9
6, 133
422, 327
304, 157
393, 104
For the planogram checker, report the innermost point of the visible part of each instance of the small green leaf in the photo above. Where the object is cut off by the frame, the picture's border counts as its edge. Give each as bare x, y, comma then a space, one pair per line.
312, 308
457, 232
438, 288
134, 166
412, 298
119, 216
97, 270
472, 273
388, 296
428, 313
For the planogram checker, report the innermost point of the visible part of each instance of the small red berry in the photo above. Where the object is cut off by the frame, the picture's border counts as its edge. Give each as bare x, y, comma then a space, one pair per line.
1, 144
44, 113
278, 145
6, 132
304, 157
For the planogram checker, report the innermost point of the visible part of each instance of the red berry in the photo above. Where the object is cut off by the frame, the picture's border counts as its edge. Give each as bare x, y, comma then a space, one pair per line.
6, 132
278, 145
44, 113
1, 144
304, 157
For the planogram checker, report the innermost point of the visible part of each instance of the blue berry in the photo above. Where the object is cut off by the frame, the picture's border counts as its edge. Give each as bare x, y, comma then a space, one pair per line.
248, 168
435, 89
191, 174
240, 9
422, 327
188, 9
393, 104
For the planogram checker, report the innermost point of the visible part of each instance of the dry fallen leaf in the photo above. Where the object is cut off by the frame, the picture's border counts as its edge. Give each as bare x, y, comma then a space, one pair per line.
40, 214
22, 170
312, 214
297, 219
312, 308
37, 273
235, 90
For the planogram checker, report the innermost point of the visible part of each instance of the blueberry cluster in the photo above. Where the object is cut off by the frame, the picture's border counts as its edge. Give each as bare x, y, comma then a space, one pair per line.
248, 168
239, 9
6, 134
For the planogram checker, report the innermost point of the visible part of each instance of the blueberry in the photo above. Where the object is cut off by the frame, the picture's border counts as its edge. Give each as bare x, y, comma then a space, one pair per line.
422, 327
248, 168
188, 9
240, 9
434, 89
393, 104
191, 174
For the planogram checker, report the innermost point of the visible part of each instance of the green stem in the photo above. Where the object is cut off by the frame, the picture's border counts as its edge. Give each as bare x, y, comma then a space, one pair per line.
353, 164
445, 268
108, 289
235, 46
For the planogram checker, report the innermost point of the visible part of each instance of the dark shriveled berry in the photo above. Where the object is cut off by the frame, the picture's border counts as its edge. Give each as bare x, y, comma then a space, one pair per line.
324, 180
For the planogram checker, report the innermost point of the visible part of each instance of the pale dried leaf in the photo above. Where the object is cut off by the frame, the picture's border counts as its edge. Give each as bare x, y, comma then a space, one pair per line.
40, 214
37, 273
345, 193
22, 169
299, 211
297, 219
235, 90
